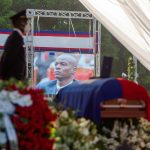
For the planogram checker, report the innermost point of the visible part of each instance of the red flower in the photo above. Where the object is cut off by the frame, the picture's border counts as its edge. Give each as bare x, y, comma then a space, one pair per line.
33, 123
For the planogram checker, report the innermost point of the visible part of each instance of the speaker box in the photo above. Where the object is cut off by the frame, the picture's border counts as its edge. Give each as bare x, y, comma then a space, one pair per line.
106, 67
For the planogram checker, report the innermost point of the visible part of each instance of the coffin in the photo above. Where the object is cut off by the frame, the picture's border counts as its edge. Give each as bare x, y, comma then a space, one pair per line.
109, 97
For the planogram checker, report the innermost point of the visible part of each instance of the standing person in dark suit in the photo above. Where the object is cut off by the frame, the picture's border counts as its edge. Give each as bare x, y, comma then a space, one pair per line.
13, 61
65, 67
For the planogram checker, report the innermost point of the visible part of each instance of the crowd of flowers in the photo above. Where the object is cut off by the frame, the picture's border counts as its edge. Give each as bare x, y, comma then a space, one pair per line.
39, 127
80, 134
134, 134
76, 133
31, 117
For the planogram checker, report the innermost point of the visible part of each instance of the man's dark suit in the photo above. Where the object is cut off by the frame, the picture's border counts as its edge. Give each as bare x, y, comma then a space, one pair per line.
50, 86
13, 62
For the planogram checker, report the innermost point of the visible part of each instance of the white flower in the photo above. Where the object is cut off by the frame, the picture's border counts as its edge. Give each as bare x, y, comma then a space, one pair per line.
23, 100
8, 98
142, 144
64, 114
6, 107
85, 131
16, 98
83, 123
148, 145
96, 139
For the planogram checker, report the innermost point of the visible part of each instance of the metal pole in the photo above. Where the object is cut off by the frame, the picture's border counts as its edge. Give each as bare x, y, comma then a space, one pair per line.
94, 46
97, 43
98, 54
29, 48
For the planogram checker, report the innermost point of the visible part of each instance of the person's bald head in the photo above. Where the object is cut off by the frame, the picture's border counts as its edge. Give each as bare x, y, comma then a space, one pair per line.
65, 66
68, 57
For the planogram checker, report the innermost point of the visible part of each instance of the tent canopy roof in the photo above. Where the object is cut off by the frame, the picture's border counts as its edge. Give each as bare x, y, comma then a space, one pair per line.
128, 21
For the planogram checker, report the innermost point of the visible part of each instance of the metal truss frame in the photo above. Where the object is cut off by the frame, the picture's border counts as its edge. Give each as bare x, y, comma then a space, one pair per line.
32, 13
59, 14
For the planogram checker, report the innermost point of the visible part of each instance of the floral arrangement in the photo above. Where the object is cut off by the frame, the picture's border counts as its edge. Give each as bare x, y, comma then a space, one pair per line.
80, 134
39, 128
76, 134
30, 115
136, 135
131, 69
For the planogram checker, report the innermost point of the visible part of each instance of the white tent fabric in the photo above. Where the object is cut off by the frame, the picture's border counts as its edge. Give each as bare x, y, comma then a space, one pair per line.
128, 21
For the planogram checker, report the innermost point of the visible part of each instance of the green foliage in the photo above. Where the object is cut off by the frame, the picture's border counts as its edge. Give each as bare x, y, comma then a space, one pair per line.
48, 4
5, 13
131, 69
5, 6
12, 82
111, 47
76, 134
53, 23
143, 76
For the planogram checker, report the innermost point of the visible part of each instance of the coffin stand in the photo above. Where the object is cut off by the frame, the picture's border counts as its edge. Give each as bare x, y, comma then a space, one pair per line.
123, 108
